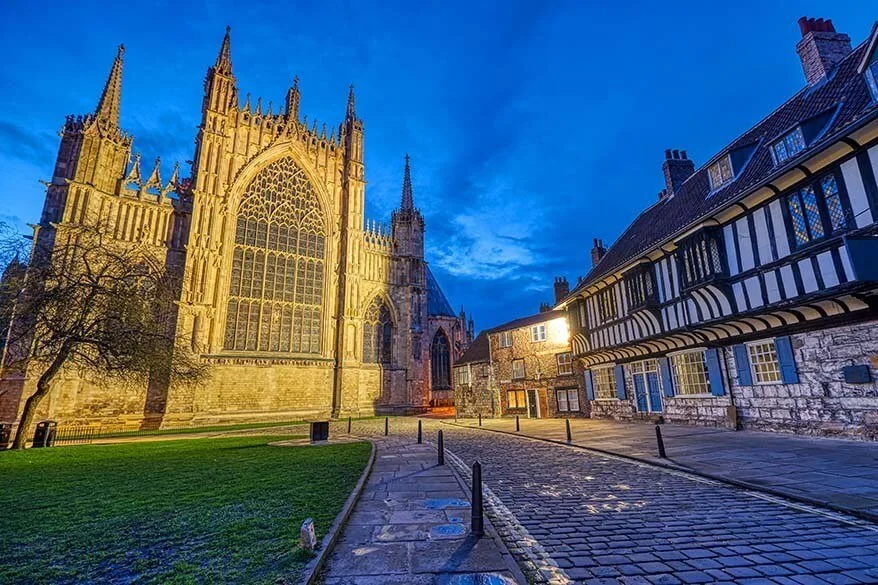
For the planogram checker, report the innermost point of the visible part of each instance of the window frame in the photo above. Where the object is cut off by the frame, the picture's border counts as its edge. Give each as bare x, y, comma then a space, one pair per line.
505, 339
641, 287
538, 333
523, 374
681, 384
463, 375
696, 261
756, 374
520, 398
605, 375
727, 159
565, 358
871, 74
783, 140
608, 308
568, 392
815, 184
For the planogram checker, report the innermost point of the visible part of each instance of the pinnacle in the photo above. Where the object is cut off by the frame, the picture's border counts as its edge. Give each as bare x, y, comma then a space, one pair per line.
352, 112
407, 197
224, 59
108, 106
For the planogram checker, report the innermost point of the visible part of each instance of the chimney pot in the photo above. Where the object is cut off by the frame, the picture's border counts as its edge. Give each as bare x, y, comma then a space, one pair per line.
667, 153
597, 252
683, 154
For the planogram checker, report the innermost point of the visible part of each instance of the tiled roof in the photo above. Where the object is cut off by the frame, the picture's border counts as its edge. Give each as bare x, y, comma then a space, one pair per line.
437, 303
530, 320
478, 351
693, 201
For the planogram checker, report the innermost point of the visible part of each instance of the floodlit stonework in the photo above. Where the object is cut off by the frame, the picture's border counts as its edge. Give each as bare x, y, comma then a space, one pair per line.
300, 305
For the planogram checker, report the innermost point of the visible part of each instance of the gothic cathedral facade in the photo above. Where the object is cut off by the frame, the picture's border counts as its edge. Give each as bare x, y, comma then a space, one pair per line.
299, 305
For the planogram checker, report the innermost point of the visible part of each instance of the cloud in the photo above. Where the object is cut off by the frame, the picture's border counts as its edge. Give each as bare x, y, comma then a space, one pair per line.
168, 135
33, 147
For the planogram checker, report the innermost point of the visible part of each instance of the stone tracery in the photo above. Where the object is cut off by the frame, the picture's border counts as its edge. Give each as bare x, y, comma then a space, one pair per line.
278, 264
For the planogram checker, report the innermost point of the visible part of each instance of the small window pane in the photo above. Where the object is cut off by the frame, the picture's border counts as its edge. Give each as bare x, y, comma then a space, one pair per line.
764, 363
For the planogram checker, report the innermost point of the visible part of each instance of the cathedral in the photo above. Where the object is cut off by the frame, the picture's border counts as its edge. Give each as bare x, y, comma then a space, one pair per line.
298, 304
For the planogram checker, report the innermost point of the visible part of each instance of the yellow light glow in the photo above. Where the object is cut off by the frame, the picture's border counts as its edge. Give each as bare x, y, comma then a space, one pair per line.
558, 331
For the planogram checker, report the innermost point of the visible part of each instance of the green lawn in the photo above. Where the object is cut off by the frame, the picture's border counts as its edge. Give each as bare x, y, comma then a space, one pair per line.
186, 511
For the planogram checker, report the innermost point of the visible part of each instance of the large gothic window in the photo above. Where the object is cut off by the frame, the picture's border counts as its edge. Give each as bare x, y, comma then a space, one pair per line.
377, 334
276, 290
440, 362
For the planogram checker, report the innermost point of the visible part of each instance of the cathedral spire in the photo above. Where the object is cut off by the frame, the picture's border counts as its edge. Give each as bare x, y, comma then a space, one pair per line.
108, 106
352, 111
224, 59
407, 199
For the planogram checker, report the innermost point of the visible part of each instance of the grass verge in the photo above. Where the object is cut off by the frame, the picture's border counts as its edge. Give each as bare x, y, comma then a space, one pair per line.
207, 511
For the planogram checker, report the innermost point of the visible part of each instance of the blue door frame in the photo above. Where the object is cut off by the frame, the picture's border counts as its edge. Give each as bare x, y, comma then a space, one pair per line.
640, 393
655, 391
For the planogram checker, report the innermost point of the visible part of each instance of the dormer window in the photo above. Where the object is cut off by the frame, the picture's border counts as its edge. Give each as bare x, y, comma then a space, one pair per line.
788, 146
721, 173
727, 168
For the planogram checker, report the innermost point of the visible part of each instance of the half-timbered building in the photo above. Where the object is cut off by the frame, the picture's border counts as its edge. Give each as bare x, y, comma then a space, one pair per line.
746, 294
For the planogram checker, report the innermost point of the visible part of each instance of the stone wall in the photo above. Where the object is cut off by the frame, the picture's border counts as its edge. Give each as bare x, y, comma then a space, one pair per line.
820, 404
476, 397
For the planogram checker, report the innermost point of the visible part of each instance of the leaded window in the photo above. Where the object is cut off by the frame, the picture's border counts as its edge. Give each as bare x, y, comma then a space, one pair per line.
517, 369
817, 210
789, 145
640, 286
721, 173
701, 258
278, 265
565, 363
607, 307
377, 334
440, 361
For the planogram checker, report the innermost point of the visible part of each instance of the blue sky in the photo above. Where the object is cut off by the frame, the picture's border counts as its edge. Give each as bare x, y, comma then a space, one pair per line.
533, 126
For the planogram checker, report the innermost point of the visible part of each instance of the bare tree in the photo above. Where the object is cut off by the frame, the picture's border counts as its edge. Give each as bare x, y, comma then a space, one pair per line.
104, 310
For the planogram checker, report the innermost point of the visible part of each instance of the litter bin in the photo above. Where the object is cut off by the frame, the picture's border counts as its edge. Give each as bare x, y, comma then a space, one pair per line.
5, 434
44, 436
319, 431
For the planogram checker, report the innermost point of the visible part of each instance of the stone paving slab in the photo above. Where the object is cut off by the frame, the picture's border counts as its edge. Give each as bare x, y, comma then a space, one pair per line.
842, 474
412, 525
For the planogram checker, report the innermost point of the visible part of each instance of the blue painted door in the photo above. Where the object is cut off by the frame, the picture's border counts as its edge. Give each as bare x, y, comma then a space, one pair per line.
640, 393
655, 393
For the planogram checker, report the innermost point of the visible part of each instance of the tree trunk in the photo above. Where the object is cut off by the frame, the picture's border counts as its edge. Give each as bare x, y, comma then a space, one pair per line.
44, 384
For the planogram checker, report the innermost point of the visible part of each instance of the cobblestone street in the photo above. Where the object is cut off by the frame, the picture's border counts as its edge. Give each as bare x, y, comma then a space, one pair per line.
602, 519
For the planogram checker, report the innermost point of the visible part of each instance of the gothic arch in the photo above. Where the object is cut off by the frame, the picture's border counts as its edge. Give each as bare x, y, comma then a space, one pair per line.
378, 333
277, 282
440, 361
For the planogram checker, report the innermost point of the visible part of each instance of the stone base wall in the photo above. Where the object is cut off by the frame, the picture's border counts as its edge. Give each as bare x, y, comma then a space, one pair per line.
470, 400
245, 390
822, 403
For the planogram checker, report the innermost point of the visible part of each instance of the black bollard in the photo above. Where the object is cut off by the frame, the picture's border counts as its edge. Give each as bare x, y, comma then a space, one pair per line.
478, 516
661, 443
419, 431
480, 419
517, 424
349, 425
569, 436
441, 449
386, 426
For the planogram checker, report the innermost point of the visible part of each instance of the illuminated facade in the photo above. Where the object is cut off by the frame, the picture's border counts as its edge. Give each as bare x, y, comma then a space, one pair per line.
300, 306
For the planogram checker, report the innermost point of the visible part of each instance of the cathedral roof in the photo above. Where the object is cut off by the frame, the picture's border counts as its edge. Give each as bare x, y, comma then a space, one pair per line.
437, 302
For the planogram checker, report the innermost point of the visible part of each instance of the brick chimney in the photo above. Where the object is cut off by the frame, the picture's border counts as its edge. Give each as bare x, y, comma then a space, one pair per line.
562, 289
821, 48
677, 168
597, 252
545, 307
